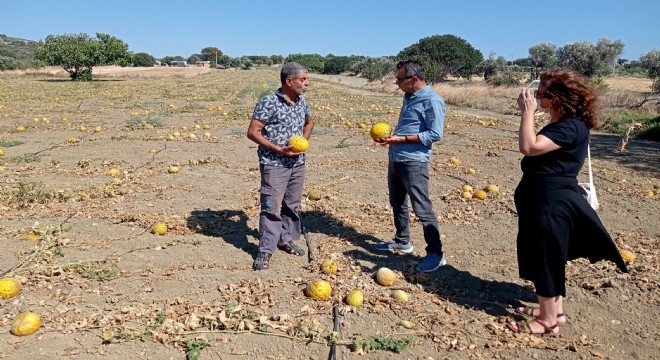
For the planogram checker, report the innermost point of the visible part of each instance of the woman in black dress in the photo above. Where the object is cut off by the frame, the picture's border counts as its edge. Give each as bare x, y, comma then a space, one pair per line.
555, 221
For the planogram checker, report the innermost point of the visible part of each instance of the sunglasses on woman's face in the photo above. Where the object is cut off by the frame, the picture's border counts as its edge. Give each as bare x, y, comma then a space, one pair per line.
539, 95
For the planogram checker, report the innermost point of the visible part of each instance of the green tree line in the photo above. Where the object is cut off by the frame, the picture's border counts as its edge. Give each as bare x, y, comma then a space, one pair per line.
442, 56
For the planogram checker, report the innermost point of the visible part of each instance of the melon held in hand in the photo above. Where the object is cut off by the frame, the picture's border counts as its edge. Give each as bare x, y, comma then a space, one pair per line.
380, 131
298, 144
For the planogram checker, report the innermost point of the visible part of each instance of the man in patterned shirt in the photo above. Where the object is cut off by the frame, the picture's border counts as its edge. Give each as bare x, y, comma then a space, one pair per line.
276, 119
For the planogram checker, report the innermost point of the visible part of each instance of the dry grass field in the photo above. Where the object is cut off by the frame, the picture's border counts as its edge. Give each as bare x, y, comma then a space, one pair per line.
85, 174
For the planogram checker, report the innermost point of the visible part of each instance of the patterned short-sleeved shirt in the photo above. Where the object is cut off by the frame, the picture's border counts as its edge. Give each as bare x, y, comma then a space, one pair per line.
283, 121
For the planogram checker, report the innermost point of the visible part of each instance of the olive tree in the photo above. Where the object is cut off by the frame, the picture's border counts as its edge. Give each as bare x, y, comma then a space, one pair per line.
492, 65
374, 68
7, 63
651, 63
79, 53
542, 56
591, 60
443, 55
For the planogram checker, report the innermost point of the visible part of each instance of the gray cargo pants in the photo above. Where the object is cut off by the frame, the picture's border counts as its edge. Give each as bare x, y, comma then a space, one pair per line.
281, 193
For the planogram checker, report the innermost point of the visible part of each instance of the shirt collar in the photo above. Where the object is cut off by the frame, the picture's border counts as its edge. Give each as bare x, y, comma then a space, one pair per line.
281, 96
419, 92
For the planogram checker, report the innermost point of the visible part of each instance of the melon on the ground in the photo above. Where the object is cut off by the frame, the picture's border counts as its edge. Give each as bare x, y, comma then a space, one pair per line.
355, 298
627, 255
480, 194
26, 324
318, 289
314, 194
386, 277
329, 267
159, 229
400, 295
9, 288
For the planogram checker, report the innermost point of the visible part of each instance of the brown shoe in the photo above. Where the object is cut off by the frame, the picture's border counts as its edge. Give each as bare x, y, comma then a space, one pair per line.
262, 262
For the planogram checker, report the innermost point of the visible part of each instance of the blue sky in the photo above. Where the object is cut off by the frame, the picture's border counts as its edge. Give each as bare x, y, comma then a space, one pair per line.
339, 27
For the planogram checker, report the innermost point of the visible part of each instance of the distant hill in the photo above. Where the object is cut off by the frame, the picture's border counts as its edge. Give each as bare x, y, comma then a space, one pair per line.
16, 53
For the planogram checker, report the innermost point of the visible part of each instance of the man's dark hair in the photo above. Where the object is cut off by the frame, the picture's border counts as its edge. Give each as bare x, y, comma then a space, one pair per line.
412, 68
291, 70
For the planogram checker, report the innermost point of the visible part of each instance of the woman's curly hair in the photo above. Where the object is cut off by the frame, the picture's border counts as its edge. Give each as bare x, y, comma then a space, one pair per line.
575, 94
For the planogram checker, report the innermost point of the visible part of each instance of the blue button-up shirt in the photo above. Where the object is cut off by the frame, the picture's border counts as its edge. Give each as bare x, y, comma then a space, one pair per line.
422, 114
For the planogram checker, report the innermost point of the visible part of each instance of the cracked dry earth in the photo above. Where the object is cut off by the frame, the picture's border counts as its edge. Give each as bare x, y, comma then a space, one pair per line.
107, 288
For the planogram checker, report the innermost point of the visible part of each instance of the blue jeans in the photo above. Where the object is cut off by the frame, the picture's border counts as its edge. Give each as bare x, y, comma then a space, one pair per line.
281, 193
411, 179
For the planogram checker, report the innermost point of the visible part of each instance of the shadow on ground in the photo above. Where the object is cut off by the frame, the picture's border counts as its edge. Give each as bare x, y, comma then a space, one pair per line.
457, 286
463, 288
229, 225
640, 155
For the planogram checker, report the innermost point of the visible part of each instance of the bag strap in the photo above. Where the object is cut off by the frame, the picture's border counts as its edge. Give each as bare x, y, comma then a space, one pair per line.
591, 177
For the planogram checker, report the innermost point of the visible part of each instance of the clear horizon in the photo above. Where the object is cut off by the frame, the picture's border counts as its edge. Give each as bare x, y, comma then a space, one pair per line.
370, 28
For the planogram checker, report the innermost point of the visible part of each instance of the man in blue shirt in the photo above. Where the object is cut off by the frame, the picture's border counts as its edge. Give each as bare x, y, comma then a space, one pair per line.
421, 123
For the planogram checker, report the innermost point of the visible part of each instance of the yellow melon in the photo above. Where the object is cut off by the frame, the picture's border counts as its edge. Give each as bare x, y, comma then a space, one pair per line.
32, 237
455, 160
298, 144
329, 267
493, 189
400, 295
407, 324
159, 229
468, 188
380, 131
386, 277
318, 289
9, 288
113, 172
20, 128
355, 298
26, 324
314, 194
2, 152
627, 255
466, 195
480, 194
173, 169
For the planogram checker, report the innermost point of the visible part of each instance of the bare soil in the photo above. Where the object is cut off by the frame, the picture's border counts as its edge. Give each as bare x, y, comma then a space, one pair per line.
107, 288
